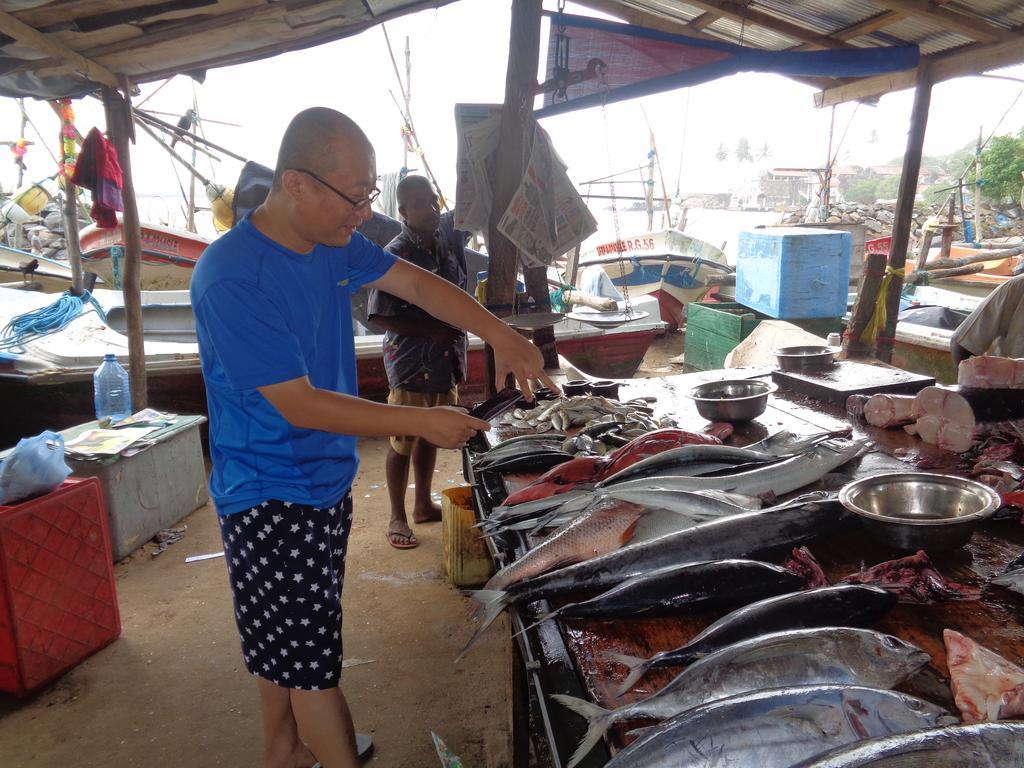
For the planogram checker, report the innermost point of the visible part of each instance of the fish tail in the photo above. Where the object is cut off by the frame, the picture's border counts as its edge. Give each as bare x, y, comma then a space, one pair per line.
543, 521
599, 720
637, 669
540, 620
491, 603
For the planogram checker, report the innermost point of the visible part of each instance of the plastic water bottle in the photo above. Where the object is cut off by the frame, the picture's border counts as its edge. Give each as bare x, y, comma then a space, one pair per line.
111, 390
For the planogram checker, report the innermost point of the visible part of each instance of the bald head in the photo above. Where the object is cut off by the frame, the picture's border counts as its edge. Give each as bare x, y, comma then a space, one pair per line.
321, 140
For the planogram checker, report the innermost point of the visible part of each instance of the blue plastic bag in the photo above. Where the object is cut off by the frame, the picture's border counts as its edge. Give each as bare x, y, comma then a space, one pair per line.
35, 466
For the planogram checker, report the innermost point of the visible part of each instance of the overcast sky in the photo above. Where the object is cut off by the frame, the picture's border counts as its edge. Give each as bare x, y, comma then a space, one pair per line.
459, 54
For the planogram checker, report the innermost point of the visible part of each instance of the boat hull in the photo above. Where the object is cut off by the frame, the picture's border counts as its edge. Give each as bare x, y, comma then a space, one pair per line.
669, 265
168, 255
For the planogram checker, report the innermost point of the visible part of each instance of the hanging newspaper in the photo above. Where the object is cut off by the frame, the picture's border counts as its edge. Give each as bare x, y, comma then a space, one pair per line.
546, 216
478, 128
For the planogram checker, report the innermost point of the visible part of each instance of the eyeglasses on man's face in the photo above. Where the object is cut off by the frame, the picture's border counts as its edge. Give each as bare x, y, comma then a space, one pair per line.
361, 203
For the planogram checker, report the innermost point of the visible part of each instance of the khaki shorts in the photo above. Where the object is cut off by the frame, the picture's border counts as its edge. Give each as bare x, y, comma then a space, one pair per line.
403, 445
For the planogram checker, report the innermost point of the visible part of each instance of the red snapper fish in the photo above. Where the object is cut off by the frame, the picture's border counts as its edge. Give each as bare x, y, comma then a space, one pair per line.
985, 685
650, 444
587, 470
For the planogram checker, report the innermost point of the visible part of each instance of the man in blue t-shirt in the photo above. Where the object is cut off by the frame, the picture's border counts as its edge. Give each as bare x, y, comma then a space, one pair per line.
272, 306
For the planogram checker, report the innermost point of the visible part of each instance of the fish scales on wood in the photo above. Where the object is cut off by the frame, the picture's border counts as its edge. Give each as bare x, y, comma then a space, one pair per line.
980, 745
840, 605
830, 655
777, 728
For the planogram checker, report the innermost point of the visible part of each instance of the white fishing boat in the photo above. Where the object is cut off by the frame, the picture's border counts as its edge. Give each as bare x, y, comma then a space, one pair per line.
669, 265
26, 271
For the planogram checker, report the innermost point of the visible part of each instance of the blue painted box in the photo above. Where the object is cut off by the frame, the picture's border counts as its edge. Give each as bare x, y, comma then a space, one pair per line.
792, 272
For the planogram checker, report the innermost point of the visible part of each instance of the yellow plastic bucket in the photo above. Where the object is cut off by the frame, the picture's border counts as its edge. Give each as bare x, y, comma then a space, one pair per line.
31, 199
466, 560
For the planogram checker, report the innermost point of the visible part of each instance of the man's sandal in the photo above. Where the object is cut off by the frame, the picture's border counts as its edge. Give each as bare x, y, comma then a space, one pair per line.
402, 540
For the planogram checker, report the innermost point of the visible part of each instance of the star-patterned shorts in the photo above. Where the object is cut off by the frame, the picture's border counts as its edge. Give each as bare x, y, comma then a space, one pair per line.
286, 565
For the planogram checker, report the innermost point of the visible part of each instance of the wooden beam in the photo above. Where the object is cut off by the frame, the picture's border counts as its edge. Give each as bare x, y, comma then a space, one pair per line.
742, 13
49, 45
119, 128
643, 18
861, 28
704, 20
905, 211
969, 26
517, 126
970, 60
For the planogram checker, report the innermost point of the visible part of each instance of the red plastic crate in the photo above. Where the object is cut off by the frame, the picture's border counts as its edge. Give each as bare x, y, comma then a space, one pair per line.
58, 604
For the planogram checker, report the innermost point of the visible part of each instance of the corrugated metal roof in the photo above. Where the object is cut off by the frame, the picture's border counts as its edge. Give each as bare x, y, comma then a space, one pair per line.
928, 36
147, 40
752, 35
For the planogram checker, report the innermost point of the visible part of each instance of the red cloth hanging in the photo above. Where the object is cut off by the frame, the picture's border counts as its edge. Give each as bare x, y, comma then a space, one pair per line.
99, 171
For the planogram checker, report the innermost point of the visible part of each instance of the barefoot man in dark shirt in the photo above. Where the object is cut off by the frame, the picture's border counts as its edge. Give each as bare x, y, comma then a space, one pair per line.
425, 358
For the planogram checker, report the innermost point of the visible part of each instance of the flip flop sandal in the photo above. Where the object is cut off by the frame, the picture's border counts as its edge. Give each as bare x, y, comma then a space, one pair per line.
402, 540
364, 748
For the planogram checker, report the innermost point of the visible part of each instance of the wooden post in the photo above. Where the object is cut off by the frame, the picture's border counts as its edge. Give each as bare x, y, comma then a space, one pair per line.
864, 307
24, 127
516, 130
905, 208
74, 248
977, 191
119, 126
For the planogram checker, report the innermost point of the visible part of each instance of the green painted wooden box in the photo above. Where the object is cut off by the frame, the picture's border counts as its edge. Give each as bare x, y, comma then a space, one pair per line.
714, 330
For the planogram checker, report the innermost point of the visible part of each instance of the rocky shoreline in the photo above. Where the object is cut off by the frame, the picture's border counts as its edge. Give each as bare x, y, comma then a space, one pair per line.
997, 223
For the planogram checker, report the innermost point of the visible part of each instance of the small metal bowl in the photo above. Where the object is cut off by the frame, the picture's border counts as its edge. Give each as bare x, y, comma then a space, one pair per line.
809, 358
919, 510
735, 400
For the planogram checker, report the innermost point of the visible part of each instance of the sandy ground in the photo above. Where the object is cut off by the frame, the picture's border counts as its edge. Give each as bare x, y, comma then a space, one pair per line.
172, 690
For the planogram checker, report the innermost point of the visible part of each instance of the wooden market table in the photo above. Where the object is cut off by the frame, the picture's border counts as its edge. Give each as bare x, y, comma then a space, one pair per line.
567, 656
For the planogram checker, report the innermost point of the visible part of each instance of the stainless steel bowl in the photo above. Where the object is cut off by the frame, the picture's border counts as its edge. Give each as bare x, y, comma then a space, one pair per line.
918, 510
807, 358
736, 401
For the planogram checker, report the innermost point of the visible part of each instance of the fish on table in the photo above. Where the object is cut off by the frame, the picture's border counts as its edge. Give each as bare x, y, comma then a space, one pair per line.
840, 605
827, 655
742, 535
979, 745
683, 588
778, 727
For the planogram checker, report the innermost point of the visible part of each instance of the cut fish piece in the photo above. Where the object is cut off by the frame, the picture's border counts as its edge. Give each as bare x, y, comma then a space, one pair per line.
985, 685
889, 410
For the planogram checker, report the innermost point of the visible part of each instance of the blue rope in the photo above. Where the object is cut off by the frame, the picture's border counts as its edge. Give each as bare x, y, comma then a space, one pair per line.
37, 323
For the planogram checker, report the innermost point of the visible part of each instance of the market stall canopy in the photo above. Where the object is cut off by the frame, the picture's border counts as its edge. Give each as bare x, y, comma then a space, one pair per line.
956, 38
68, 48
593, 61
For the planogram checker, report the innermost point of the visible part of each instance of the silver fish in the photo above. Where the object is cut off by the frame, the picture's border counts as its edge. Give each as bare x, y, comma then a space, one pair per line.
778, 727
786, 476
830, 655
683, 455
979, 745
842, 604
